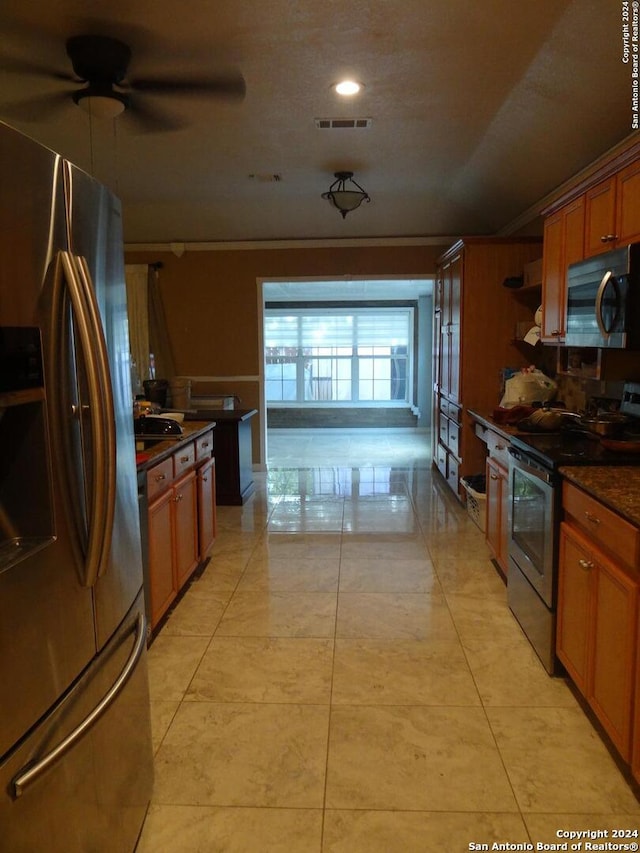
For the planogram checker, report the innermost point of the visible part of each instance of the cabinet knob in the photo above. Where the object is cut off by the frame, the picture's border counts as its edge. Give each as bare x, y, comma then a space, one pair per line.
494, 477
585, 564
178, 498
609, 238
184, 459
556, 333
592, 518
160, 477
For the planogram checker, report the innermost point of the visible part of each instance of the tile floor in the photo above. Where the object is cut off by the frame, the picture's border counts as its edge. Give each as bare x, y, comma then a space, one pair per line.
345, 676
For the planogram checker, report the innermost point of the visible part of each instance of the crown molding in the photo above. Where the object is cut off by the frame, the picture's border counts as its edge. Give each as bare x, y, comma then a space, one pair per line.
179, 249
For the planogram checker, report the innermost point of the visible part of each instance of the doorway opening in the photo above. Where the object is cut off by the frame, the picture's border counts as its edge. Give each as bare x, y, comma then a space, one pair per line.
346, 354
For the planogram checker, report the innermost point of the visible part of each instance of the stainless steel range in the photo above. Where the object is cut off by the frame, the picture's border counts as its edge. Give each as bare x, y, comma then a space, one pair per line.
534, 519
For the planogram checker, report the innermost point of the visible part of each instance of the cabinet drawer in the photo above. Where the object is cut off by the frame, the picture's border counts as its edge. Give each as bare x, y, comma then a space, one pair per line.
444, 430
454, 413
184, 459
204, 446
602, 524
498, 448
452, 473
444, 406
159, 478
453, 438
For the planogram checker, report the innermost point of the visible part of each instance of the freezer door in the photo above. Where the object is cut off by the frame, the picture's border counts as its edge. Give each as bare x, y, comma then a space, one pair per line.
95, 242
94, 794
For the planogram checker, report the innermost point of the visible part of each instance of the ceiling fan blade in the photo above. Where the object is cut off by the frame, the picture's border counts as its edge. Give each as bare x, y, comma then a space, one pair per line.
230, 86
14, 65
37, 108
150, 119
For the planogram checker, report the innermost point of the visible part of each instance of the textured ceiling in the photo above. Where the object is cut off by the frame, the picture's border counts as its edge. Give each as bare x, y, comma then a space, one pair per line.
478, 110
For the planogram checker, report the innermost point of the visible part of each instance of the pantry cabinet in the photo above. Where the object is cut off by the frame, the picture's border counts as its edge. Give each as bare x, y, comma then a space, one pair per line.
597, 627
473, 306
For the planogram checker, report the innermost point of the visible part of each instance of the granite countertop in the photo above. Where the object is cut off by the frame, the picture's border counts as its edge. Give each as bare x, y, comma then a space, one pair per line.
165, 447
505, 430
616, 486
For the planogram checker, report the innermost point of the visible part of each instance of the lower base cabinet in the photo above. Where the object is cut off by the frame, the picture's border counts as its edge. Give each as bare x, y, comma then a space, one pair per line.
597, 633
206, 506
179, 516
173, 543
497, 532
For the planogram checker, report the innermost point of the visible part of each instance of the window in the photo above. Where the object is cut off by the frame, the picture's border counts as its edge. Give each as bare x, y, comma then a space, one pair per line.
338, 356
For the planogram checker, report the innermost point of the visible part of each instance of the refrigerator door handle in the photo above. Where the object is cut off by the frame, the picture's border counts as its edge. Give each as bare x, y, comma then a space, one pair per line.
28, 776
106, 410
93, 348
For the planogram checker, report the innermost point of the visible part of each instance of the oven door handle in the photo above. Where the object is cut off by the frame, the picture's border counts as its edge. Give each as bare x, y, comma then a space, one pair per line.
545, 477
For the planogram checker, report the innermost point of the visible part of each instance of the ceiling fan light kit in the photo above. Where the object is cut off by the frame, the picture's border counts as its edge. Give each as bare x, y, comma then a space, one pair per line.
345, 196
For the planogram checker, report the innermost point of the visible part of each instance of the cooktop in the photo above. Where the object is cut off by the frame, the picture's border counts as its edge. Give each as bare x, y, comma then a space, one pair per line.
571, 448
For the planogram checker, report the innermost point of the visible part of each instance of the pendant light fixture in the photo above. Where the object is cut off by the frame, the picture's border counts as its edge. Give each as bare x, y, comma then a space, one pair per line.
345, 194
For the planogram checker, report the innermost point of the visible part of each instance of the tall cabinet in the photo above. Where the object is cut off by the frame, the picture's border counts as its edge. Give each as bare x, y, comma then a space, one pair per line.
475, 329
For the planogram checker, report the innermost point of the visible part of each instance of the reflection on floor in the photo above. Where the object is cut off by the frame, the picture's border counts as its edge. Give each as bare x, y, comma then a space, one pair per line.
346, 676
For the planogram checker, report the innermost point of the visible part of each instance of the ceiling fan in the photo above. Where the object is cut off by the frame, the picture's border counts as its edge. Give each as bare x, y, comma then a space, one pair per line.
100, 63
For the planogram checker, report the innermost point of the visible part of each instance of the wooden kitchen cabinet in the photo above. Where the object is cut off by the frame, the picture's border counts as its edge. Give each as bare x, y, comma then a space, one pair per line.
473, 308
178, 520
173, 543
598, 612
498, 512
612, 211
207, 527
563, 245
162, 583
185, 526
635, 759
574, 607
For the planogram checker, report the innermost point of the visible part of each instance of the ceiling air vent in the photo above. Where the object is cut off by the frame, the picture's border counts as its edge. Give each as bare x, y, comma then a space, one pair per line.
336, 123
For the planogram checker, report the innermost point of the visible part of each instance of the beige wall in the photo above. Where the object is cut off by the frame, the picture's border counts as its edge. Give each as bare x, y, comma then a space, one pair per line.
211, 302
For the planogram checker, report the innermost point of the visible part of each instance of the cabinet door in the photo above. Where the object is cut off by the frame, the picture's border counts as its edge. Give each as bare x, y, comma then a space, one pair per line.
162, 583
185, 503
628, 204
494, 508
600, 215
574, 605
553, 287
206, 507
614, 655
563, 245
635, 760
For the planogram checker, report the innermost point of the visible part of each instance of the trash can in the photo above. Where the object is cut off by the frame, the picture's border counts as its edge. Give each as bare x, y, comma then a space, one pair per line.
475, 487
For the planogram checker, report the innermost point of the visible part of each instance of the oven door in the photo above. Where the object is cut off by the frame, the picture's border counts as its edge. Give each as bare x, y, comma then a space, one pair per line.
532, 522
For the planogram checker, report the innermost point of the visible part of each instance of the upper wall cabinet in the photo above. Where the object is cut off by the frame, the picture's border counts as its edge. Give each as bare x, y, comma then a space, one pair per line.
594, 214
563, 245
612, 211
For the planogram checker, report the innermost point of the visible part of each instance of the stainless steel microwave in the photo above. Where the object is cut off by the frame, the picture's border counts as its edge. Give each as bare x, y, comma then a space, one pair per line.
603, 300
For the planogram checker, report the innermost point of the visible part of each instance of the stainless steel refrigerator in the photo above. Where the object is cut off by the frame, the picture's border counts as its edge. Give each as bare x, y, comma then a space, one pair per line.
75, 744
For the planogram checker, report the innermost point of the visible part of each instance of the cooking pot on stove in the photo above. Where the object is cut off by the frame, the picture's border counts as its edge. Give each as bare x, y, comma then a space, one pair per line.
551, 420
608, 423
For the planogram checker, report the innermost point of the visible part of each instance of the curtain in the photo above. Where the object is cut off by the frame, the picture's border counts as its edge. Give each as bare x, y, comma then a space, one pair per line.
136, 276
158, 334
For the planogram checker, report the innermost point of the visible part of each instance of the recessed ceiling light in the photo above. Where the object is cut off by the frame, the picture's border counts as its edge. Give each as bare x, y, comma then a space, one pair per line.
347, 87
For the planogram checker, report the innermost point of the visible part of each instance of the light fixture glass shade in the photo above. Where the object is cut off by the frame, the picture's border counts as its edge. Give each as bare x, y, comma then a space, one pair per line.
100, 105
342, 196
